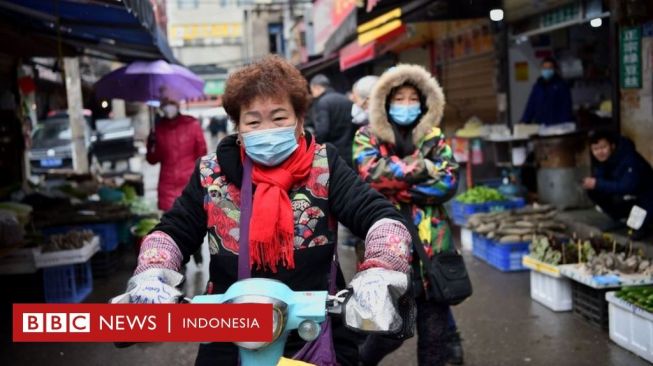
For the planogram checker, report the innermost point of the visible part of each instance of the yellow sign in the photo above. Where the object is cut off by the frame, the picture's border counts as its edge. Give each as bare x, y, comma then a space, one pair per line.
199, 31
379, 26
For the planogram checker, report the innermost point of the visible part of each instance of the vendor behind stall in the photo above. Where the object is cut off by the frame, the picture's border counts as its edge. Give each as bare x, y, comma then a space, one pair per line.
621, 178
550, 100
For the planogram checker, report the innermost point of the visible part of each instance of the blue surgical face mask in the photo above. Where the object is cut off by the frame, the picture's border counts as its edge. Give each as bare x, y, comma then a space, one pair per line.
404, 115
270, 147
547, 73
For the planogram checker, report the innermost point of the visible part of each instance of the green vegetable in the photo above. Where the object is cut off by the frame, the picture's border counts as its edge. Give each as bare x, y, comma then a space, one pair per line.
639, 296
480, 194
144, 226
130, 194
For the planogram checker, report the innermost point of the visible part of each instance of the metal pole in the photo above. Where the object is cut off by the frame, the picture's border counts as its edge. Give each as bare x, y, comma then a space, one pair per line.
76, 114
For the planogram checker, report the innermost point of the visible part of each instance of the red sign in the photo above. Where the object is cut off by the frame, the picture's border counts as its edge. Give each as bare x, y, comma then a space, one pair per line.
142, 323
354, 54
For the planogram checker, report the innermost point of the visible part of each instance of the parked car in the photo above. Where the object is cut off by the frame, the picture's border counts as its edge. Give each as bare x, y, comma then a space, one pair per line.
105, 140
52, 144
113, 140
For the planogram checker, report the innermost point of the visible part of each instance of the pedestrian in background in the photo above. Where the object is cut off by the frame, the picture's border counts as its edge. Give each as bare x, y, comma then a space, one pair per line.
351, 248
621, 178
176, 143
403, 154
218, 129
361, 94
330, 117
550, 100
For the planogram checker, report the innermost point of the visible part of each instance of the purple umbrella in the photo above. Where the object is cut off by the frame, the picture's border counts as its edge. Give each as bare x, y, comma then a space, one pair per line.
144, 81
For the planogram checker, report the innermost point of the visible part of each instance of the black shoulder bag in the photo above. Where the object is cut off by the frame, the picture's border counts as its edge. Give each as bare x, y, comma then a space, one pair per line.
448, 281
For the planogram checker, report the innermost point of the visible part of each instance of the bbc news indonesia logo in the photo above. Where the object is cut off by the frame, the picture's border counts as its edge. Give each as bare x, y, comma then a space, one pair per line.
56, 322
142, 323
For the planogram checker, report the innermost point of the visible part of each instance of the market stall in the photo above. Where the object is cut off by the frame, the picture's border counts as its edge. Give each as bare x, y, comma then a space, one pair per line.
63, 235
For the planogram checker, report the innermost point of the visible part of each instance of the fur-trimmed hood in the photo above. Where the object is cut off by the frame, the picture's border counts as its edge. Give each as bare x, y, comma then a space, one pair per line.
427, 85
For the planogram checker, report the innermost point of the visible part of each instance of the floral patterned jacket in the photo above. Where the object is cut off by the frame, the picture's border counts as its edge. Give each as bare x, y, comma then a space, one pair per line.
427, 178
210, 204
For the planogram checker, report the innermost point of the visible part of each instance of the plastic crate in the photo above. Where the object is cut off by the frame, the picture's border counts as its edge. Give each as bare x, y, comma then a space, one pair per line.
67, 284
552, 292
507, 257
590, 304
108, 233
479, 248
462, 211
630, 327
105, 263
514, 203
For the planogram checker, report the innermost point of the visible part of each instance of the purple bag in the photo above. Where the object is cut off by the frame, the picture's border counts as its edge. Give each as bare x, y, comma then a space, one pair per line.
320, 352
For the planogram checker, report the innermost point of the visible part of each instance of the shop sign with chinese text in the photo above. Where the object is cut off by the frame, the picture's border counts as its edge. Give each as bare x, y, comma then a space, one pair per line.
631, 58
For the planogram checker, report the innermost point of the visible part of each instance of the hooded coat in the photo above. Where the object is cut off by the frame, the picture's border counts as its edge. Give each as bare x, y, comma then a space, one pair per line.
425, 178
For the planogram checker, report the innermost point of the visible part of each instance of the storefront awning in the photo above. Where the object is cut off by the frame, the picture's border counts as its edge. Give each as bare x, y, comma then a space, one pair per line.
316, 65
126, 30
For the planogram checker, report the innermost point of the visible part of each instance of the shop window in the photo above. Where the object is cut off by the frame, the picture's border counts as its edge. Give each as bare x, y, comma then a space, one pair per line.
275, 36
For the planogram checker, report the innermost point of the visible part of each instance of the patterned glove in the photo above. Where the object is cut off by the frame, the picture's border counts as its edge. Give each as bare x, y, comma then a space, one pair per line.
157, 273
387, 245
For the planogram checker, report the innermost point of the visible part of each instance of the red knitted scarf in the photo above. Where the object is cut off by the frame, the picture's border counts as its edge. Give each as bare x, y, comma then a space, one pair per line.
271, 230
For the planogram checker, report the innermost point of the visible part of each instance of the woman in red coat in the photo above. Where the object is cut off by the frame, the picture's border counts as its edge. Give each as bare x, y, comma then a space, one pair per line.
177, 143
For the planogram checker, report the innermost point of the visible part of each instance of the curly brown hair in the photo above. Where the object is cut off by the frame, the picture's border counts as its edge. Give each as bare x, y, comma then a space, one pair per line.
270, 77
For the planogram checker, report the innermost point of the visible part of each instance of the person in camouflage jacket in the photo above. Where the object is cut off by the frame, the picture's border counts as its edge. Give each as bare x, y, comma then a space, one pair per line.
403, 154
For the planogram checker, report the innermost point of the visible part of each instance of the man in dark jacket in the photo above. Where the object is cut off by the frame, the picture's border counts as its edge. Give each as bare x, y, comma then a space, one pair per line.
330, 117
550, 100
621, 178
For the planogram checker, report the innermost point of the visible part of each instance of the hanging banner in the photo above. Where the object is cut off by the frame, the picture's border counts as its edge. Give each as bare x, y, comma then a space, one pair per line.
630, 55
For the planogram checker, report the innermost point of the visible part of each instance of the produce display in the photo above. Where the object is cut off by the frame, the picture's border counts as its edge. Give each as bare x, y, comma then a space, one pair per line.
137, 205
556, 251
608, 262
473, 128
129, 193
611, 258
143, 227
480, 194
639, 296
519, 225
71, 240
